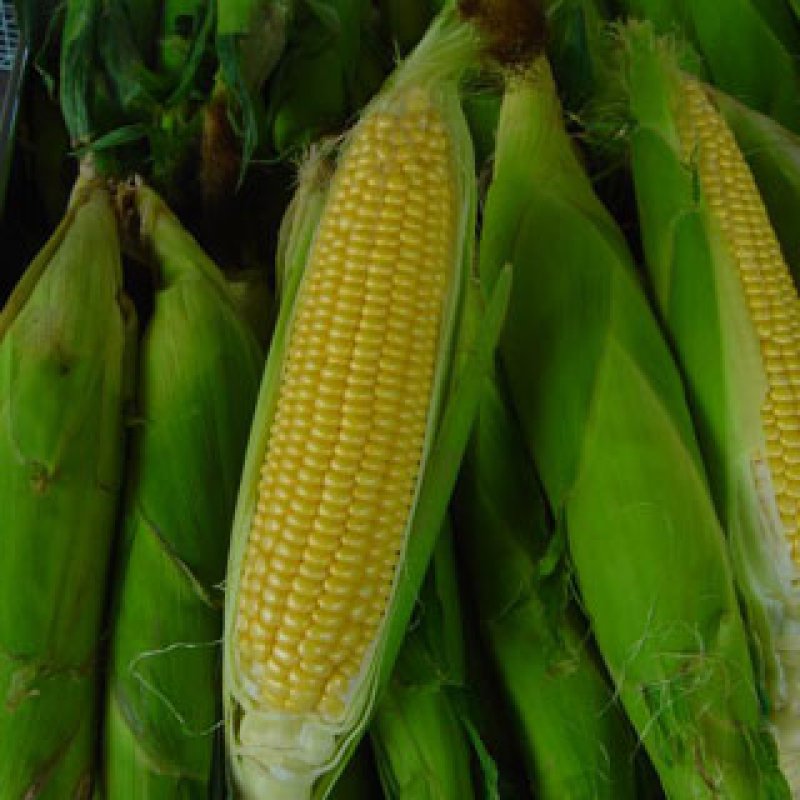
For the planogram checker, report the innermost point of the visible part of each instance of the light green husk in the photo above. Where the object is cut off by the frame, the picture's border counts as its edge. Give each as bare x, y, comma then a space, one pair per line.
256, 767
571, 731
422, 732
698, 293
66, 338
602, 410
199, 370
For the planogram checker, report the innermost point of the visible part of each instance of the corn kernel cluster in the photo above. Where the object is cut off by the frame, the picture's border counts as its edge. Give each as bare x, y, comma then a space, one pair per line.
342, 460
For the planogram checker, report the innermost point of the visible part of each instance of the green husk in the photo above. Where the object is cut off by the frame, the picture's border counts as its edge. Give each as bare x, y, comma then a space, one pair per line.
65, 355
602, 410
405, 23
694, 277
257, 768
199, 370
359, 781
773, 154
251, 36
422, 732
324, 51
745, 52
572, 733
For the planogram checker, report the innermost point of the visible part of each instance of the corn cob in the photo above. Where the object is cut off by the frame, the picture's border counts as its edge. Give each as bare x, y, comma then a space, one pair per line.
422, 733
198, 378
729, 304
572, 733
602, 409
336, 521
65, 338
773, 155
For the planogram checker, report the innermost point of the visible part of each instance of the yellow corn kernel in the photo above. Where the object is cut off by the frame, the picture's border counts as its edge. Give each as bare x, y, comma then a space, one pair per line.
769, 291
343, 455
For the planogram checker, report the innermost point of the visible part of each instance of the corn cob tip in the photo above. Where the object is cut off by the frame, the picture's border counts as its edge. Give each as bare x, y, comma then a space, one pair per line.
514, 30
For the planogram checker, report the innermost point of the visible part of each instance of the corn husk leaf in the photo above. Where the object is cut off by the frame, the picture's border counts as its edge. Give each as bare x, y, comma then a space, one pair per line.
422, 732
573, 735
65, 353
602, 410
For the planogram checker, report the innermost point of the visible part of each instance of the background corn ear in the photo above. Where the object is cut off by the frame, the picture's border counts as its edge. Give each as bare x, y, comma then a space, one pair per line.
602, 410
573, 735
65, 345
198, 377
729, 304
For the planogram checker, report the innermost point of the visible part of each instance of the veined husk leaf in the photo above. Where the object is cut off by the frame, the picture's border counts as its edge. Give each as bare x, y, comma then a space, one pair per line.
572, 732
746, 52
422, 732
66, 338
698, 292
256, 768
602, 409
773, 154
199, 371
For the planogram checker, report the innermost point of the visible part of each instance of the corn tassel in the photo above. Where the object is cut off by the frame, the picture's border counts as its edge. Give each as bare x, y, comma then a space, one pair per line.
65, 337
732, 311
199, 371
602, 409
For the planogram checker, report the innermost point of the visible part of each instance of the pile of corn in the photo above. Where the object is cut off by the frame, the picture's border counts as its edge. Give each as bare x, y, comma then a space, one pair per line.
406, 404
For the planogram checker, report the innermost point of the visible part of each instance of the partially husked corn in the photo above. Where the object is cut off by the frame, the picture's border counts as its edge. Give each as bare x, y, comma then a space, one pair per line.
768, 289
343, 457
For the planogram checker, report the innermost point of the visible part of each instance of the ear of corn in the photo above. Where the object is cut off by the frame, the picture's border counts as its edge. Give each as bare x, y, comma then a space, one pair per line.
422, 732
746, 52
318, 597
602, 409
198, 378
773, 155
728, 301
572, 733
65, 337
